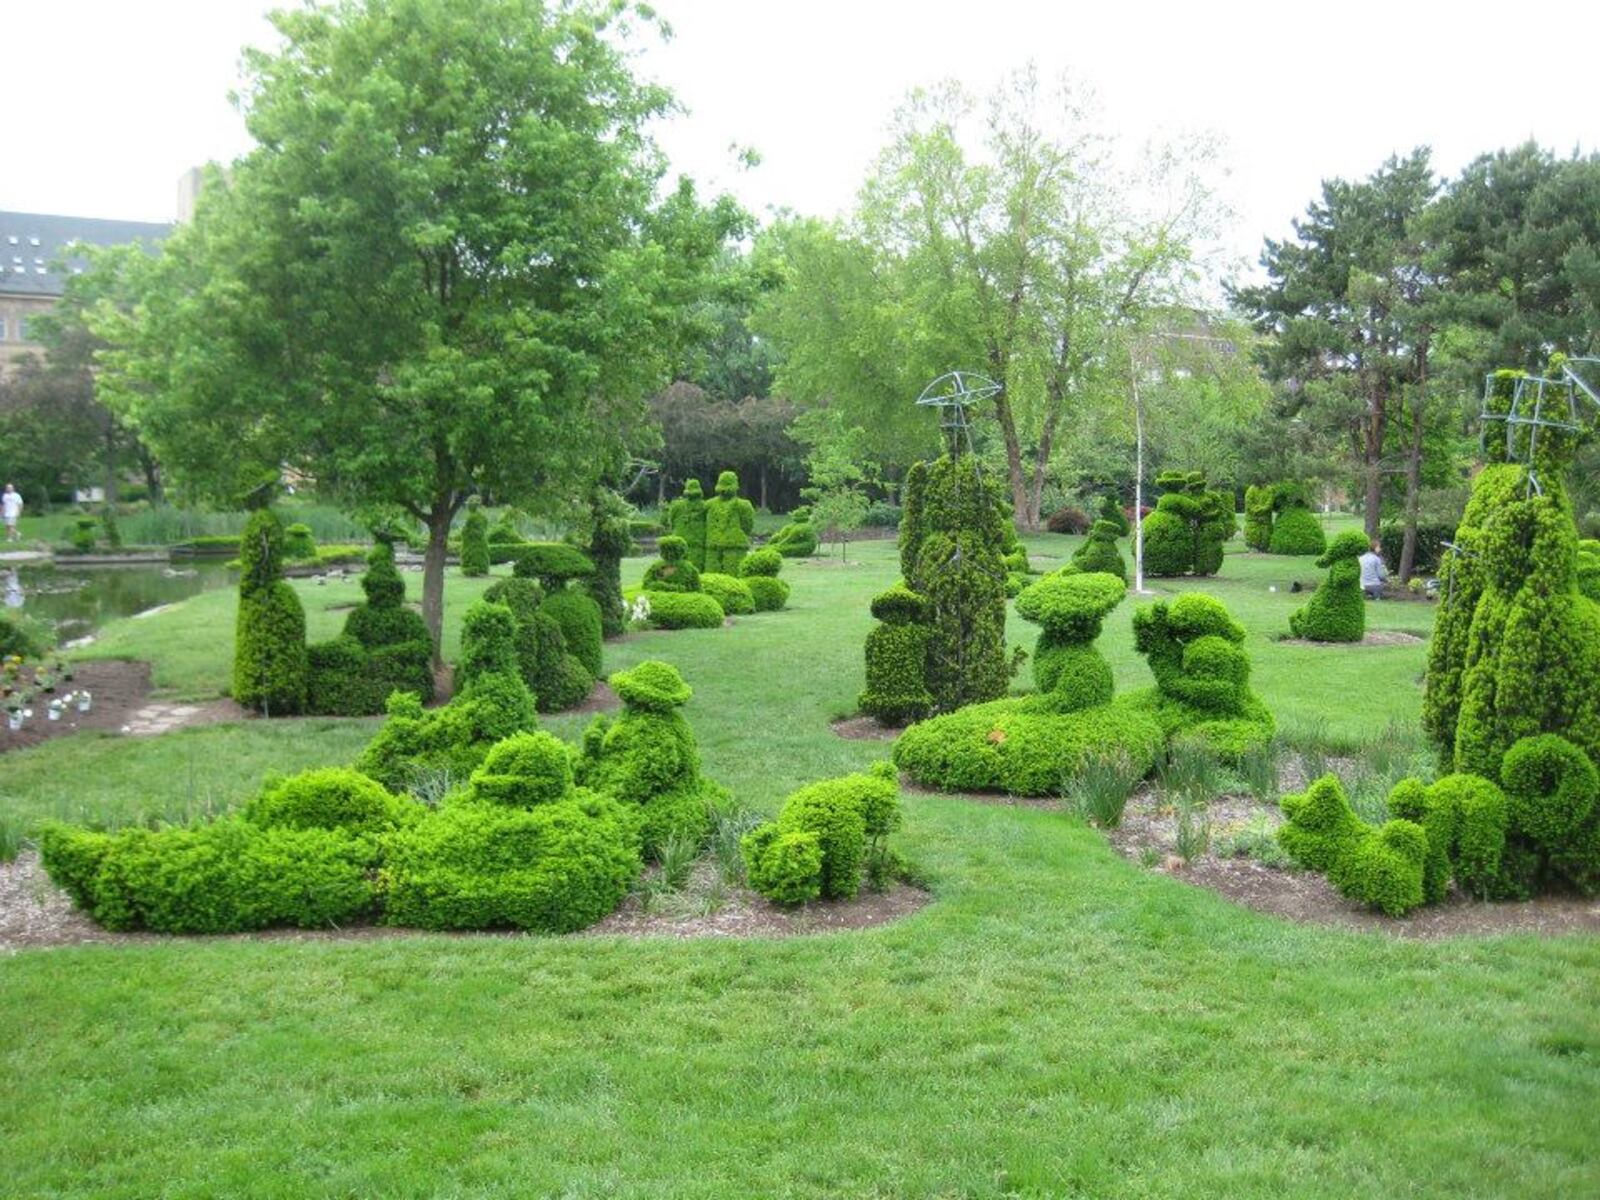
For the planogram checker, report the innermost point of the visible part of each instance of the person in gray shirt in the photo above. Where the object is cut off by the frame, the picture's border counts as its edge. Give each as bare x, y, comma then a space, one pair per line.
1373, 573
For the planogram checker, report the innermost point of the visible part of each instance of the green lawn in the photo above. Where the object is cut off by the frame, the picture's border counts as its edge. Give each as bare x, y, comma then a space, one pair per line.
1059, 1023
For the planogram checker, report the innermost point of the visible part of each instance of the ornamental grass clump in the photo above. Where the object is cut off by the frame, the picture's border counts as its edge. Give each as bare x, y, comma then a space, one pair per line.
269, 656
1337, 611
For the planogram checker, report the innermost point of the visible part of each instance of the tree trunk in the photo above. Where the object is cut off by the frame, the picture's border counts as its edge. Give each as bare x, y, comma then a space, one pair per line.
764, 485
1018, 480
661, 488
152, 476
433, 575
1375, 424
1408, 548
111, 463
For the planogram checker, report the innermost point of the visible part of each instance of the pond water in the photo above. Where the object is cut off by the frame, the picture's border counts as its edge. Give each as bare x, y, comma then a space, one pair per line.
77, 601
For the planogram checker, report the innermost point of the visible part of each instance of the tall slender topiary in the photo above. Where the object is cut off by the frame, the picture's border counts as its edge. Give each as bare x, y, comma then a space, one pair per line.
1259, 502
730, 519
686, 517
475, 541
1337, 611
609, 541
269, 652
1111, 510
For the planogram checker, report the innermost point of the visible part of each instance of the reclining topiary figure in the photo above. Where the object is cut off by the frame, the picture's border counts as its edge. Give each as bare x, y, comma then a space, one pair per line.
1337, 611
686, 517
672, 572
647, 757
1381, 866
897, 652
759, 570
1099, 553
797, 539
730, 520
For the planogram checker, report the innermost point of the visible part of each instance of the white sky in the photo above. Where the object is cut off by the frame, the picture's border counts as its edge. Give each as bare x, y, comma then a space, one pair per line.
110, 101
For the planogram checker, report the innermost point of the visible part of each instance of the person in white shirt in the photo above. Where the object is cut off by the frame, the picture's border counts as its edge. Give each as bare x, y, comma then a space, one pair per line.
1373, 573
10, 511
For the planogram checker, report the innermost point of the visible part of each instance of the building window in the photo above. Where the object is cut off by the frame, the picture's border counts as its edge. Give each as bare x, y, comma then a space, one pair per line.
24, 329
2, 329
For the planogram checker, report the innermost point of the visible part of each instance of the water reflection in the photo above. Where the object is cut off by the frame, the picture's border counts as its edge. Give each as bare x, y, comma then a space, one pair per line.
79, 600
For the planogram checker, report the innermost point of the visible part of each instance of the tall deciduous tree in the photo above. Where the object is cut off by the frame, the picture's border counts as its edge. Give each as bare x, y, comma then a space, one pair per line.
444, 269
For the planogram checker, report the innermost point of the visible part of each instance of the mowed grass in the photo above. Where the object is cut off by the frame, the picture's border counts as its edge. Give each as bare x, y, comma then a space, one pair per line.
1059, 1023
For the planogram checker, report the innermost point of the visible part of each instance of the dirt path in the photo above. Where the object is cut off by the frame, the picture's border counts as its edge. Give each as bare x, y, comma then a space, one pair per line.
120, 702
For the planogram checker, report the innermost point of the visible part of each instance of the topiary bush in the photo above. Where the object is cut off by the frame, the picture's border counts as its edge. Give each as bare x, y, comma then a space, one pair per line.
555, 677
475, 541
385, 647
1337, 611
734, 595
770, 594
730, 520
672, 572
524, 771
684, 610
1295, 529
1070, 672
298, 542
1380, 866
1111, 511
1260, 501
504, 540
847, 820
647, 757
269, 652
1186, 532
1100, 554
686, 517
330, 798
896, 653
797, 539
551, 563
578, 617
610, 539
553, 868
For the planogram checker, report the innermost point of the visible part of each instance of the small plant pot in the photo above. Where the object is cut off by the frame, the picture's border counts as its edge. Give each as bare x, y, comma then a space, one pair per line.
83, 703
53, 713
13, 721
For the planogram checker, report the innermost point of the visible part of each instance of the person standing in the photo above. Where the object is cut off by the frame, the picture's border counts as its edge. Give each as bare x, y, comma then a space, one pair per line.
1373, 572
11, 511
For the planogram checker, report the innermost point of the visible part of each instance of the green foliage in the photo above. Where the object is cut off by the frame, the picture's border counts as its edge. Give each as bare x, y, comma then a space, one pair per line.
1430, 547
672, 572
610, 539
488, 643
82, 536
553, 868
684, 610
555, 677
525, 770
797, 539
1185, 533
847, 820
1296, 530
1337, 611
1168, 544
18, 639
1099, 554
385, 647
269, 657
298, 542
1070, 673
1378, 866
1259, 505
687, 518
226, 877
786, 868
551, 563
1111, 512
732, 593
475, 541
769, 592
1553, 820
330, 798
763, 563
521, 596
1464, 817
897, 654
730, 520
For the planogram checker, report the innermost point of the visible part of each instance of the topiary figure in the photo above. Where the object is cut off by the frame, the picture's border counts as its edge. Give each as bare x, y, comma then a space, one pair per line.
1070, 672
672, 572
610, 539
647, 757
686, 517
1111, 511
847, 819
797, 539
504, 539
298, 543
1381, 866
475, 541
330, 798
730, 520
1553, 820
734, 595
1337, 611
759, 570
1259, 505
1295, 529
684, 610
897, 651
951, 535
555, 677
1186, 532
577, 615
1464, 817
551, 563
384, 647
1100, 554
525, 770
269, 655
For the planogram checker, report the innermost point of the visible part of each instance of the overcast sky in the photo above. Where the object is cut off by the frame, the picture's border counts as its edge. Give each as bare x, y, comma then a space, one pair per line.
110, 101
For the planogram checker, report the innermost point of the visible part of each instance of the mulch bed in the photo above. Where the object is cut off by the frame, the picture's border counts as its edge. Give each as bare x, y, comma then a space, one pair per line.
1374, 637
601, 699
34, 913
119, 690
865, 729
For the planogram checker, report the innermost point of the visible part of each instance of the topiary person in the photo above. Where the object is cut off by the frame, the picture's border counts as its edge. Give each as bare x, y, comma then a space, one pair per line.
1099, 553
672, 572
686, 517
730, 520
897, 653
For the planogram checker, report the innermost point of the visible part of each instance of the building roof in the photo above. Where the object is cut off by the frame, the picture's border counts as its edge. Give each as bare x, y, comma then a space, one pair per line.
33, 257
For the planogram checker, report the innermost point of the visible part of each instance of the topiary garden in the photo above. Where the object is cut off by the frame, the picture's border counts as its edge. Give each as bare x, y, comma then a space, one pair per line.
1186, 532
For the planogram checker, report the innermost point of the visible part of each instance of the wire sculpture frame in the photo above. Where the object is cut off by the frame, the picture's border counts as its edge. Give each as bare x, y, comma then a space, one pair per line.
951, 393
1540, 403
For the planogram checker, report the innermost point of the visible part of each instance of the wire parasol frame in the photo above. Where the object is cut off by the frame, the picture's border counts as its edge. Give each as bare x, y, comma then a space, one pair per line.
1541, 403
952, 393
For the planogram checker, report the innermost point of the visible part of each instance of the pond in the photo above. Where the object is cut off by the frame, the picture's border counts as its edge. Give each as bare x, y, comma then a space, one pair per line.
77, 601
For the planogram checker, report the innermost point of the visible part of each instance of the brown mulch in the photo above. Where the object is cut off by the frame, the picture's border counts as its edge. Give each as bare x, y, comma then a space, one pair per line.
119, 690
34, 913
1374, 637
601, 699
1150, 830
865, 729
1001, 799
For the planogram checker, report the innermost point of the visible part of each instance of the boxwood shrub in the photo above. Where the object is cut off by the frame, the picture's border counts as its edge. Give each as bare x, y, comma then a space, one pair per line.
733, 594
269, 653
684, 610
1337, 610
330, 798
578, 617
475, 541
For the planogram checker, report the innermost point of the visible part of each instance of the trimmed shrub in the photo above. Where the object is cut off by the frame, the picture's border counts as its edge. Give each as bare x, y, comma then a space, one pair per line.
672, 572
1168, 544
769, 593
1552, 787
1185, 533
786, 868
1259, 505
488, 643
686, 516
475, 541
896, 652
1296, 530
554, 868
849, 818
72, 858
1380, 866
578, 617
298, 542
1100, 554
1070, 673
525, 770
610, 539
551, 563
556, 678
226, 877
1110, 510
1464, 817
1068, 520
269, 653
763, 563
330, 798
385, 647
1337, 611
730, 520
684, 610
521, 596
504, 540
798, 539
17, 639
732, 594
